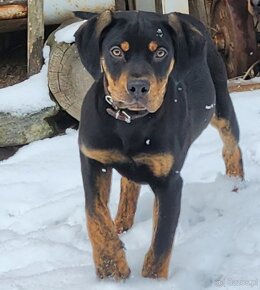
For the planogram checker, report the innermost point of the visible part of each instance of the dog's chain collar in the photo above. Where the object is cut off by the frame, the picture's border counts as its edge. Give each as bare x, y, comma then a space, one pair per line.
118, 113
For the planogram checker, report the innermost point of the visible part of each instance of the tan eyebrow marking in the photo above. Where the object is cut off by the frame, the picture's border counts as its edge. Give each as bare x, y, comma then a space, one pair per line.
125, 46
152, 46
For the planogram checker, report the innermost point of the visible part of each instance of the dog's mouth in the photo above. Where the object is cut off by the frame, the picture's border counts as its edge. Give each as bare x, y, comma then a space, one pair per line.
136, 107
135, 110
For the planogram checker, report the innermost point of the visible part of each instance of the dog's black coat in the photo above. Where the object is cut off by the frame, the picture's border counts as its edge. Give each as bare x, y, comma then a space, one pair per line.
196, 91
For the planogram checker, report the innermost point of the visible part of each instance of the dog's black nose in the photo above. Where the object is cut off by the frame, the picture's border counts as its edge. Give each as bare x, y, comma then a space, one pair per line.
138, 88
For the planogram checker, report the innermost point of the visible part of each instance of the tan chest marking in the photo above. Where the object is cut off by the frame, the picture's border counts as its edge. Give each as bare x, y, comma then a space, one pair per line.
103, 156
160, 164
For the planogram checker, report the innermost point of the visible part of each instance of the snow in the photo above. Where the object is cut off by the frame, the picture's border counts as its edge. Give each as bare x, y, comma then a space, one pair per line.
43, 240
29, 96
66, 34
159, 32
209, 107
148, 142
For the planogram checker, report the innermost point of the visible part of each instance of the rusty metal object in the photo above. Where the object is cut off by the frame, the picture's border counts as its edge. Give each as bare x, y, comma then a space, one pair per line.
13, 11
233, 32
9, 2
219, 40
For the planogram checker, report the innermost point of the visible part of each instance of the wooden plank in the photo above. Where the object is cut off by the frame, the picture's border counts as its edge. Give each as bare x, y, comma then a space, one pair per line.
9, 2
130, 5
198, 8
35, 36
208, 5
13, 25
242, 87
120, 5
158, 6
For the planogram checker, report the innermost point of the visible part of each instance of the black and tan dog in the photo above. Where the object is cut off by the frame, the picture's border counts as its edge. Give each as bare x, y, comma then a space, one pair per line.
159, 82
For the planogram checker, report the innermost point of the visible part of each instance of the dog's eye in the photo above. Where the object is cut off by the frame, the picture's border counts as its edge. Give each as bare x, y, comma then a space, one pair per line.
116, 52
160, 53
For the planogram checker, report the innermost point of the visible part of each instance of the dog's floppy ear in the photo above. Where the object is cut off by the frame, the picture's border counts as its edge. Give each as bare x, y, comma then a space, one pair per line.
87, 39
188, 38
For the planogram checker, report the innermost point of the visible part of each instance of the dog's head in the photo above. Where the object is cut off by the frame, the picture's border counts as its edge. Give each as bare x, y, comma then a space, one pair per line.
135, 50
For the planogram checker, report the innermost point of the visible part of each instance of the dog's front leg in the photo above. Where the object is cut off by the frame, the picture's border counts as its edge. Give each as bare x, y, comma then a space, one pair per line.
108, 251
127, 205
166, 214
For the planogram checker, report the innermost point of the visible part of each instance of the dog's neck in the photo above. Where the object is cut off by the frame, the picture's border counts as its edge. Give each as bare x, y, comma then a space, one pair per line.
123, 115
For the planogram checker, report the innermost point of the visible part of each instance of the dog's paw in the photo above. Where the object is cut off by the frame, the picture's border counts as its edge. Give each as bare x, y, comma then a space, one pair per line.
112, 267
123, 224
155, 268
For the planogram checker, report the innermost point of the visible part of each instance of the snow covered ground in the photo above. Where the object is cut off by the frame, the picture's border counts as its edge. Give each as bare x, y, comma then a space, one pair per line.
43, 240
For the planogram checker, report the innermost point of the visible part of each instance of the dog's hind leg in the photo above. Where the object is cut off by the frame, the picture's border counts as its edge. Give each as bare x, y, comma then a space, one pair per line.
232, 156
127, 205
224, 118
225, 121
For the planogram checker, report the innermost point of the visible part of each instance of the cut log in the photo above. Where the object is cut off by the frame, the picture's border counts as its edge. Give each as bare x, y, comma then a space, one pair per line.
68, 79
